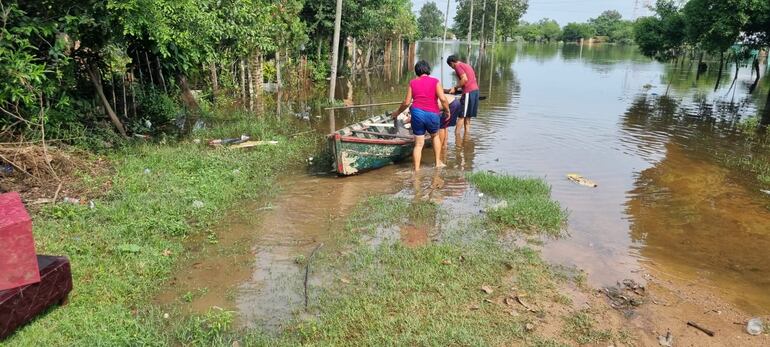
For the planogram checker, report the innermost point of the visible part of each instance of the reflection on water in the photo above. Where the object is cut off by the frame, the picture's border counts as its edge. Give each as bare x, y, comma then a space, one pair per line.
652, 135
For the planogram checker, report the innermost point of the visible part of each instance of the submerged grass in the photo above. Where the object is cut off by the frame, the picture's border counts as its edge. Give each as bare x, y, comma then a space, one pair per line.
429, 295
528, 205
123, 249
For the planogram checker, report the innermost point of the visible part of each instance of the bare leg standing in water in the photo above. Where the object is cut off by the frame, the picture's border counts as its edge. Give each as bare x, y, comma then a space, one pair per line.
419, 143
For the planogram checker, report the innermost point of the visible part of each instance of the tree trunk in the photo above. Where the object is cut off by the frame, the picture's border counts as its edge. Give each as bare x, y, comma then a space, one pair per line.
755, 66
187, 96
354, 58
482, 39
336, 51
125, 100
160, 74
700, 67
318, 51
721, 66
494, 26
139, 67
149, 68
278, 78
97, 82
112, 91
133, 95
256, 79
214, 79
251, 87
766, 113
368, 55
242, 67
470, 34
388, 54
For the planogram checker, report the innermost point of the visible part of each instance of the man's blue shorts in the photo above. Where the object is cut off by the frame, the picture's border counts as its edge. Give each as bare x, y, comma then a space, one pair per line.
423, 121
470, 104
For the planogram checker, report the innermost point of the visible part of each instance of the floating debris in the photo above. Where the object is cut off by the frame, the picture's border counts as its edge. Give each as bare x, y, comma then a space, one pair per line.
582, 180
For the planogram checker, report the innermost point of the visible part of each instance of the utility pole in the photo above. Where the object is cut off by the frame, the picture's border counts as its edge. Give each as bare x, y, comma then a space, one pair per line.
470, 31
482, 39
443, 45
494, 26
335, 49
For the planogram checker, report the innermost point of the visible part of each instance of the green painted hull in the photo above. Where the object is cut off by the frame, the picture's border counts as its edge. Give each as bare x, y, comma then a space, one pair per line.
353, 158
360, 148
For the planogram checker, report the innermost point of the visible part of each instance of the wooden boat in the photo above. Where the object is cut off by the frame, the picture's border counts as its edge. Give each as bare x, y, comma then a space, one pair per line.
369, 145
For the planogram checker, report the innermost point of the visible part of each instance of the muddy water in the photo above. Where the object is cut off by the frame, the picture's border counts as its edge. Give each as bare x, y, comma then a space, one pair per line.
257, 266
653, 136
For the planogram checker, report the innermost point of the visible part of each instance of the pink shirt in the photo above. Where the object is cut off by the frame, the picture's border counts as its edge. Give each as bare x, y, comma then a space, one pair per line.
424, 93
463, 68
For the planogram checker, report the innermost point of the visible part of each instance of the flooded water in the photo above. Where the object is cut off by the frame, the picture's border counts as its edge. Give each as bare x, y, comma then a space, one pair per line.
655, 137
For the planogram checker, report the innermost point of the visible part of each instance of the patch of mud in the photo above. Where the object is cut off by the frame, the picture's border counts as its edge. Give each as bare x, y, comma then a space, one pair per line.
257, 268
413, 236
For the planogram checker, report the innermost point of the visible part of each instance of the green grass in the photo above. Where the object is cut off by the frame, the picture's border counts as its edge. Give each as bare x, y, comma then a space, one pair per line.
579, 326
116, 249
528, 203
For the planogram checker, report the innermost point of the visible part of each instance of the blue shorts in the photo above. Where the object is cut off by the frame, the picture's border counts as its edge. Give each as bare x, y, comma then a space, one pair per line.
423, 121
470, 103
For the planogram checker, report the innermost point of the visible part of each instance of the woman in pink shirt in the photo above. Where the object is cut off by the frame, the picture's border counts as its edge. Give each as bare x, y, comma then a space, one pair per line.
424, 94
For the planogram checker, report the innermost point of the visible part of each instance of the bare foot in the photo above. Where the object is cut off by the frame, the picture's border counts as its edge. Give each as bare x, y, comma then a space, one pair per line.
440, 165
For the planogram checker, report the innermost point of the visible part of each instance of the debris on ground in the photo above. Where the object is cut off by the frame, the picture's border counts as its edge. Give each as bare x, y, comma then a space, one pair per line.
521, 302
765, 191
81, 202
701, 328
197, 204
626, 296
249, 144
487, 289
229, 141
581, 180
754, 326
666, 340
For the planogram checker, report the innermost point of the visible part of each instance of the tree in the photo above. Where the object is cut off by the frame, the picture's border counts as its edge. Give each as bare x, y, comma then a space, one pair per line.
550, 29
607, 22
431, 21
715, 25
577, 31
509, 13
661, 36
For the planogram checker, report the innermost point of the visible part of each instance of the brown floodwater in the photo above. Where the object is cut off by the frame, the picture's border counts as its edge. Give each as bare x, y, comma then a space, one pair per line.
655, 137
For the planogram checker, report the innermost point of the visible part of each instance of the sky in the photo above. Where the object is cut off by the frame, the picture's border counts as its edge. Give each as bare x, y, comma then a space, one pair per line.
563, 11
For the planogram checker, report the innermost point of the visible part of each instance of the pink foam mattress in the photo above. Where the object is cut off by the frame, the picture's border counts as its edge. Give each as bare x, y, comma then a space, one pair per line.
22, 304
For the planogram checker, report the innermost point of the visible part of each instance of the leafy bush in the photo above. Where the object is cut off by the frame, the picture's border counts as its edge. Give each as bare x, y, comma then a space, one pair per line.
154, 110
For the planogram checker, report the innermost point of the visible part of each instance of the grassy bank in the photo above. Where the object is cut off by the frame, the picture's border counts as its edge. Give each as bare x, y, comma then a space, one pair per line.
123, 250
466, 285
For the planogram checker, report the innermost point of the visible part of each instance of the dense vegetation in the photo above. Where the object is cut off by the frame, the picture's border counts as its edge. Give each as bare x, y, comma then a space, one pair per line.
607, 27
66, 66
731, 30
